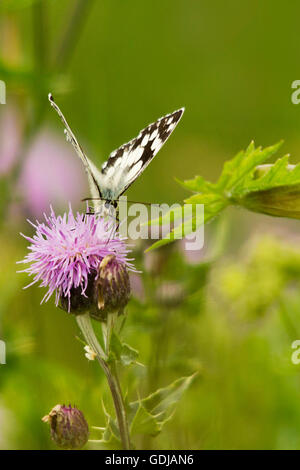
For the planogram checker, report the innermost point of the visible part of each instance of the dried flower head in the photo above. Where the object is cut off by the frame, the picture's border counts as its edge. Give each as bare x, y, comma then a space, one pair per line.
66, 252
69, 429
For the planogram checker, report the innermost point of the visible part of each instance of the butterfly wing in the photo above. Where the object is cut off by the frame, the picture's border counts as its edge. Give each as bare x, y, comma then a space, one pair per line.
126, 163
94, 175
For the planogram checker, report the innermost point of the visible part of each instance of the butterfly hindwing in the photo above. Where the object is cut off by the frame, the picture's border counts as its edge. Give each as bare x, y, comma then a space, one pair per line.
126, 163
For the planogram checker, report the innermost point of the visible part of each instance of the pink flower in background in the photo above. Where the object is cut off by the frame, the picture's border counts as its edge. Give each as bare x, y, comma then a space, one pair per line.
51, 173
10, 138
65, 250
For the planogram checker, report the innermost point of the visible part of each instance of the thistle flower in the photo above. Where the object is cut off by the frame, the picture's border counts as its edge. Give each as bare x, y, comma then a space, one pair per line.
69, 429
65, 254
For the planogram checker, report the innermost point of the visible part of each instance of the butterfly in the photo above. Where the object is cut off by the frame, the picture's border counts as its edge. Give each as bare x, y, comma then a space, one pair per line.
124, 164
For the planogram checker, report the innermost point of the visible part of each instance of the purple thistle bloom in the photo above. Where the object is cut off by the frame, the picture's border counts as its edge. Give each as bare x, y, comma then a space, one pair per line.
66, 249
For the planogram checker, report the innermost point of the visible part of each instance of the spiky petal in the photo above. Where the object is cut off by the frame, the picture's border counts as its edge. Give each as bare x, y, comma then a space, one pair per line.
67, 250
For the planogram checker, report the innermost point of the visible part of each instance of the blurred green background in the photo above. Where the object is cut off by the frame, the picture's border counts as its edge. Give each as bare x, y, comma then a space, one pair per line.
113, 67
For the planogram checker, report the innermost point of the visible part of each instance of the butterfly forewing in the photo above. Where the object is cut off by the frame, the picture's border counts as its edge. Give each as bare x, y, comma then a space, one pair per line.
126, 163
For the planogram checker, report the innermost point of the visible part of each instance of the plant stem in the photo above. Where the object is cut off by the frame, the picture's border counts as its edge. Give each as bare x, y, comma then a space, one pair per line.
40, 35
72, 32
111, 374
115, 388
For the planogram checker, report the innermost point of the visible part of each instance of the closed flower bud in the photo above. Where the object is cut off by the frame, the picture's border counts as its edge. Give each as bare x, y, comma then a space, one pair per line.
69, 429
280, 201
111, 288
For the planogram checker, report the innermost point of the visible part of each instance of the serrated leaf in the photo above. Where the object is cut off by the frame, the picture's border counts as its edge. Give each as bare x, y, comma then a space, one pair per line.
111, 426
110, 434
145, 423
197, 184
213, 206
160, 400
281, 173
122, 352
152, 412
242, 165
241, 182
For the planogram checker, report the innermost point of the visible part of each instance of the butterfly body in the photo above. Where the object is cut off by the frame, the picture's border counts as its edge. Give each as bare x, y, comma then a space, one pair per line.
124, 164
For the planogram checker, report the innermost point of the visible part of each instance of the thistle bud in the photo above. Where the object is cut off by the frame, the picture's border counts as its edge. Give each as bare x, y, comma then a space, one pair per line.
111, 288
280, 201
69, 429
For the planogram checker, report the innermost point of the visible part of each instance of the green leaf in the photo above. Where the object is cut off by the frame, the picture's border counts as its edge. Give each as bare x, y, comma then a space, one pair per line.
145, 423
122, 352
110, 434
148, 415
238, 179
273, 176
197, 184
173, 215
242, 165
161, 400
213, 205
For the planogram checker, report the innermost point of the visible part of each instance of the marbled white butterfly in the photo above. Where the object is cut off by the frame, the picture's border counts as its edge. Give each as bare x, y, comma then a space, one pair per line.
126, 163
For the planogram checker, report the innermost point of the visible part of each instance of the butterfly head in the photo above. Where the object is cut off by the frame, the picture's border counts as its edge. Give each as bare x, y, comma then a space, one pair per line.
110, 209
108, 204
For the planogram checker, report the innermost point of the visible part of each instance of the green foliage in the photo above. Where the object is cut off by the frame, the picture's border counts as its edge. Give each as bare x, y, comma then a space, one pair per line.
270, 189
121, 352
146, 416
151, 413
236, 172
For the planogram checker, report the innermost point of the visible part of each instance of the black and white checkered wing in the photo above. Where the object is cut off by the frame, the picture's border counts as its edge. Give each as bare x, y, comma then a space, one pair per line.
126, 163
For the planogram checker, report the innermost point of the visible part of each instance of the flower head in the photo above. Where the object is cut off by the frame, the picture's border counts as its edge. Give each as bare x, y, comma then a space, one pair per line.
66, 251
69, 429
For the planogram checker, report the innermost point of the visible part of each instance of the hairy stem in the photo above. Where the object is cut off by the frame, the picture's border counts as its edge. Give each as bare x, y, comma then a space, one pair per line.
111, 374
